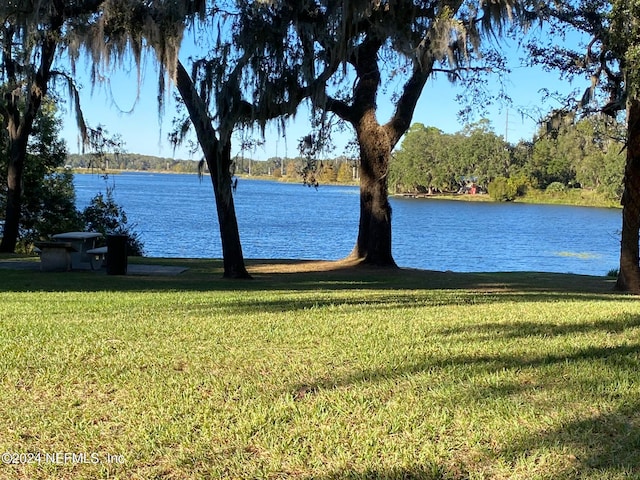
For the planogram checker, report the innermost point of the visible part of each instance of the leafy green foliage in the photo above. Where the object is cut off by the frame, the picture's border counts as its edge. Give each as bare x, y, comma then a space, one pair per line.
556, 187
430, 160
104, 215
503, 189
549, 164
48, 201
345, 173
424, 161
588, 154
49, 208
625, 41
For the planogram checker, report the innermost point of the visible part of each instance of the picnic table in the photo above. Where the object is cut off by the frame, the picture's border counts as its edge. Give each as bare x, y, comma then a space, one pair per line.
81, 243
55, 256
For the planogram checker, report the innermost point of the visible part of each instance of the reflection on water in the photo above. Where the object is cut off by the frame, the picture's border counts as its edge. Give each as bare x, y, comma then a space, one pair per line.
175, 215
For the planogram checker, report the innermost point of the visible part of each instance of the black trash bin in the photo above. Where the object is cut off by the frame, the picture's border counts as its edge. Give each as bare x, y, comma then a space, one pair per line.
117, 254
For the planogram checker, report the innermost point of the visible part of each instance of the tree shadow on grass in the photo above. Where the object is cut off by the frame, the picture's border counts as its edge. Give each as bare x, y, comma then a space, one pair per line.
404, 287
623, 356
602, 446
528, 329
314, 272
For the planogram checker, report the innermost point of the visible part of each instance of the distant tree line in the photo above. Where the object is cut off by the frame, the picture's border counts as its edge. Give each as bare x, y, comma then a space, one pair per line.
336, 170
132, 161
586, 154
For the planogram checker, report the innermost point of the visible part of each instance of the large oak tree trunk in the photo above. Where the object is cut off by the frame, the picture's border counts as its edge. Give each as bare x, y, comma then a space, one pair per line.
373, 245
218, 158
19, 119
13, 214
629, 273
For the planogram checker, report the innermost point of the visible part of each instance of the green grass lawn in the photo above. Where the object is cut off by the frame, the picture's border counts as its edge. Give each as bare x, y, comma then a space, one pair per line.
352, 373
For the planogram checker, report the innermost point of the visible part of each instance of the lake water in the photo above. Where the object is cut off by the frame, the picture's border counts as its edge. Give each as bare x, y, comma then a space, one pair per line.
175, 216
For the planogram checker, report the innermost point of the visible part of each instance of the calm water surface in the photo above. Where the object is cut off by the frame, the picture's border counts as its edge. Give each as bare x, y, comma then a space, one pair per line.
175, 216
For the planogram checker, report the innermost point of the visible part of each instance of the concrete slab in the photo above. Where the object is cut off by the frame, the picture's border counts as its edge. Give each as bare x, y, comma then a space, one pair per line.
132, 269
19, 265
136, 269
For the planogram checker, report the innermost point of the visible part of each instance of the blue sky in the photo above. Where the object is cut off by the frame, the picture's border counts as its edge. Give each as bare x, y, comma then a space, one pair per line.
136, 120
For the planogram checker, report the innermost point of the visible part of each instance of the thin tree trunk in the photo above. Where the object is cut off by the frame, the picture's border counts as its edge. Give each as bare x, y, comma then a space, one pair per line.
218, 158
373, 245
232, 256
629, 273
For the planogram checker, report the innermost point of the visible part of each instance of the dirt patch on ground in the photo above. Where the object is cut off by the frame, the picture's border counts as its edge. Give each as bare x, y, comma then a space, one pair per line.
300, 266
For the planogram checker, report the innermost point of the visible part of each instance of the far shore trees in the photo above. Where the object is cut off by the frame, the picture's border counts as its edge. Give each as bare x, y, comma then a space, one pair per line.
586, 154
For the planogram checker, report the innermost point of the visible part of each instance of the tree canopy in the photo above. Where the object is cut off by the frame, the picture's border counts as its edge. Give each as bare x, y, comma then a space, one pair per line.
339, 54
31, 34
610, 61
